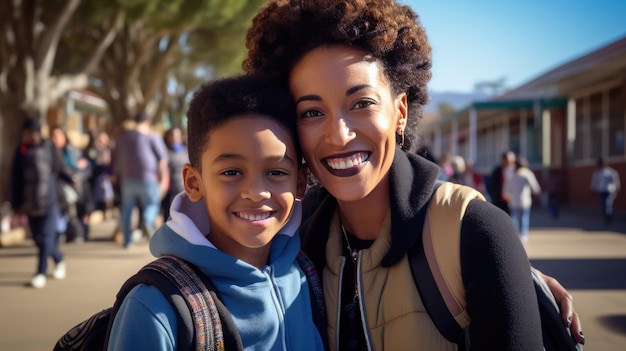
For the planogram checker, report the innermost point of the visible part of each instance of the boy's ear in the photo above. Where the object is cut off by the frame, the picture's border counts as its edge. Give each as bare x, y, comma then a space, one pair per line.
302, 181
193, 183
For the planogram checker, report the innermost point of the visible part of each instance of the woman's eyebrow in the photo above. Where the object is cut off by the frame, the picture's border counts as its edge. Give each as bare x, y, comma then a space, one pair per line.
357, 88
308, 98
318, 98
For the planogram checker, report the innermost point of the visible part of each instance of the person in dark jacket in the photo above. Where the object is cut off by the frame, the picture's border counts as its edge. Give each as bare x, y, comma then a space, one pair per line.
498, 177
36, 170
177, 157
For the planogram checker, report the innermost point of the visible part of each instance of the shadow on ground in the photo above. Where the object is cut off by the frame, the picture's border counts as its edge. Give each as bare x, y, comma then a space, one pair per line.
590, 274
616, 323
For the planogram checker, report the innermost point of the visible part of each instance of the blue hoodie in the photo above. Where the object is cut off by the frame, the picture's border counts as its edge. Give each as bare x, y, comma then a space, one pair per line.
270, 307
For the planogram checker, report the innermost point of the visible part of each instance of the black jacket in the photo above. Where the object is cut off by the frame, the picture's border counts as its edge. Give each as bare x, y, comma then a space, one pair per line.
495, 268
35, 173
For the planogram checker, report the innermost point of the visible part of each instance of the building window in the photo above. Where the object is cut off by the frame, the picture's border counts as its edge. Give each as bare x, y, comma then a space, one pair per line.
597, 123
617, 121
535, 140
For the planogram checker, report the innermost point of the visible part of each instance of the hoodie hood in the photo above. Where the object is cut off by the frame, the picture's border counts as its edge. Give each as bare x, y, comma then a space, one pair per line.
184, 235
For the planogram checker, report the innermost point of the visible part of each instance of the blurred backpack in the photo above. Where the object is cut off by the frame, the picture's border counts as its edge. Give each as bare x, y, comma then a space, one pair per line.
203, 320
439, 256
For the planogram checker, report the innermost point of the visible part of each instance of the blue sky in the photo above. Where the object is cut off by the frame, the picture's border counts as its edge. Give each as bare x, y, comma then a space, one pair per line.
482, 40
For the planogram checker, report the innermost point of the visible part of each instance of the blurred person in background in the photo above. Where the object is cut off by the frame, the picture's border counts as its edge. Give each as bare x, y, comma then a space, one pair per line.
518, 190
606, 184
552, 189
463, 173
177, 157
98, 153
140, 158
498, 177
77, 211
36, 166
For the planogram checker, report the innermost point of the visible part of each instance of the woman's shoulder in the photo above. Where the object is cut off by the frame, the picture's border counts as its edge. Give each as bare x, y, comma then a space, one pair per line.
485, 221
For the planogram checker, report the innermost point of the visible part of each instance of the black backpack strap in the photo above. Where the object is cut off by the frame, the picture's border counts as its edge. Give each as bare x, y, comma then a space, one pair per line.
316, 292
428, 290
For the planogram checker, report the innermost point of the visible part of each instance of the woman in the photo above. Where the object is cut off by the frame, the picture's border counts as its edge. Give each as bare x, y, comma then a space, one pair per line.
177, 157
357, 71
77, 211
519, 189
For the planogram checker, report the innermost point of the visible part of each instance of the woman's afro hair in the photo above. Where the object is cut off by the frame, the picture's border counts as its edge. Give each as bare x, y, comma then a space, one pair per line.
285, 30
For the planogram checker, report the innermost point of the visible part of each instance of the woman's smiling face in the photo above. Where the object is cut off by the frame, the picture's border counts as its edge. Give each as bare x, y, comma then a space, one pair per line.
348, 118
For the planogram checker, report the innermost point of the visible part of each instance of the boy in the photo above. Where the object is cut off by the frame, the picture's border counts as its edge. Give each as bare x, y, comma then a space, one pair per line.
236, 222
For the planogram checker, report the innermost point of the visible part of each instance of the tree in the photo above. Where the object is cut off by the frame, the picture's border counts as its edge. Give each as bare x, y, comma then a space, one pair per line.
160, 35
29, 38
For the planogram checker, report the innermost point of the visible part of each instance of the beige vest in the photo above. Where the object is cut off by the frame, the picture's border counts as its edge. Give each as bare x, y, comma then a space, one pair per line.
396, 316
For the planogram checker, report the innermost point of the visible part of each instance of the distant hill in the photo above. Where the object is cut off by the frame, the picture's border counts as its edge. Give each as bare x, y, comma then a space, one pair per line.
456, 100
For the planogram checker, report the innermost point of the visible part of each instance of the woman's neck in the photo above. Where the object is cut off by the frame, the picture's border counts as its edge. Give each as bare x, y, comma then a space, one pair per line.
364, 218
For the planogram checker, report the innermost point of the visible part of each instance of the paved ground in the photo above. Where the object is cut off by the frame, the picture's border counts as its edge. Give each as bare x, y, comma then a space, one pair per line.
587, 256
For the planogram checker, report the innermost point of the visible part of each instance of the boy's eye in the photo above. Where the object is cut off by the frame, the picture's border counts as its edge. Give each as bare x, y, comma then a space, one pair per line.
277, 172
231, 173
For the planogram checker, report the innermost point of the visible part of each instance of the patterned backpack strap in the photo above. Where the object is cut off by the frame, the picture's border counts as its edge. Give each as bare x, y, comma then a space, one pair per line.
206, 320
317, 294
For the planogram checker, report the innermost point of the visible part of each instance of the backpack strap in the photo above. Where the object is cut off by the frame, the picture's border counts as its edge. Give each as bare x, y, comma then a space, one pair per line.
436, 260
193, 297
316, 292
436, 268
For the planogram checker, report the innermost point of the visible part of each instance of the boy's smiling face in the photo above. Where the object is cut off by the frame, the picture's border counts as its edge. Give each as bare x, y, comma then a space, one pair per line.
248, 182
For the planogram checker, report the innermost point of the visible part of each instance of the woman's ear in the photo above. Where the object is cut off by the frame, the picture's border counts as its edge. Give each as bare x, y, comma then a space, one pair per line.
193, 183
302, 181
403, 111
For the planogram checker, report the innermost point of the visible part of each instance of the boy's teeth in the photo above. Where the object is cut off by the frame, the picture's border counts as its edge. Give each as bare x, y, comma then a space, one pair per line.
252, 217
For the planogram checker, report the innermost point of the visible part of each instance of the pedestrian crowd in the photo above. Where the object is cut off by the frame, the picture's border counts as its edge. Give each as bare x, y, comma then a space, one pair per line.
57, 184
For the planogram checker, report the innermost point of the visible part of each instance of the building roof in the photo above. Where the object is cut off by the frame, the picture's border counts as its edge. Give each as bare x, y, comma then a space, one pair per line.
552, 88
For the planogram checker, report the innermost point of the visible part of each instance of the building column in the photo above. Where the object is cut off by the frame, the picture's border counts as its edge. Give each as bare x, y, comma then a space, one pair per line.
570, 124
473, 137
454, 137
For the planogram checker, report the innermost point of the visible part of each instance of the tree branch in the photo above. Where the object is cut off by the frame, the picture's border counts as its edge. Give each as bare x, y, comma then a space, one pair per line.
47, 46
115, 25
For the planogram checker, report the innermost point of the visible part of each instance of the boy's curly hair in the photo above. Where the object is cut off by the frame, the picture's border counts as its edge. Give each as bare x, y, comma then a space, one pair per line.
222, 100
285, 30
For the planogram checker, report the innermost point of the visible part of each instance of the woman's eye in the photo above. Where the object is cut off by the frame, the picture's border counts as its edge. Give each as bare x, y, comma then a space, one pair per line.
310, 113
363, 104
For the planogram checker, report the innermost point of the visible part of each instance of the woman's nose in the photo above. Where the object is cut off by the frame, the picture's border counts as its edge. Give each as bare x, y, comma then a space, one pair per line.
338, 130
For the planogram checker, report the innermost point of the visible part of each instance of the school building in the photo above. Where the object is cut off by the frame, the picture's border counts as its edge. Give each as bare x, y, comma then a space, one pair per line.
561, 121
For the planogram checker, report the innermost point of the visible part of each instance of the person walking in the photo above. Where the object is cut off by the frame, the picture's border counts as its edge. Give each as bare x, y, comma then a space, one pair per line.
141, 164
497, 179
606, 184
35, 172
98, 153
518, 190
77, 212
177, 157
553, 188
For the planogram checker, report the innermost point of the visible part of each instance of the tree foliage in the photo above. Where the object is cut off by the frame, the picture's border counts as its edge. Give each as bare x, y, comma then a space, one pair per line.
162, 37
29, 39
